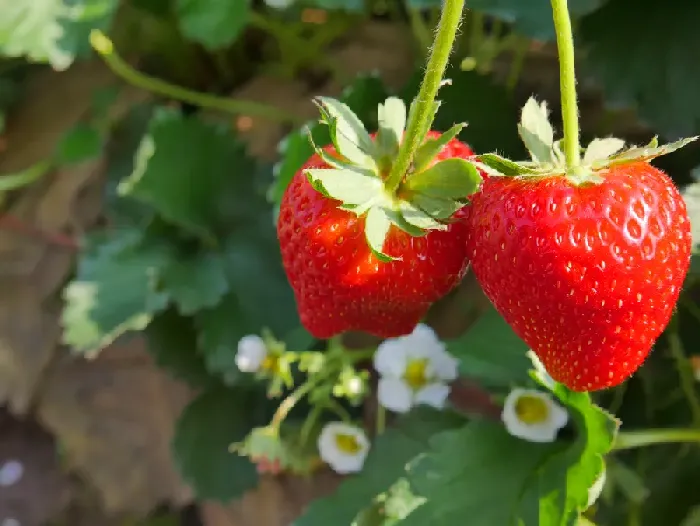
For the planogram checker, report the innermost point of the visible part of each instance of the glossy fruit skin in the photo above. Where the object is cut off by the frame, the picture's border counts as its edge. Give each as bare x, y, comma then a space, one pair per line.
588, 277
340, 285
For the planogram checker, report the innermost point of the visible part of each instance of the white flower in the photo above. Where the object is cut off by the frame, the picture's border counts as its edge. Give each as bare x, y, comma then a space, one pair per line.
343, 447
251, 354
597, 488
691, 196
533, 415
414, 369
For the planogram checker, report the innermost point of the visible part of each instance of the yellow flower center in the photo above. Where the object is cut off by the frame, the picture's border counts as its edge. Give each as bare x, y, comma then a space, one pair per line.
347, 443
416, 373
531, 409
269, 364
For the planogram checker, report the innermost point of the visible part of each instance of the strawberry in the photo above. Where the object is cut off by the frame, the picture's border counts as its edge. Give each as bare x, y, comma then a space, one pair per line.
361, 255
586, 268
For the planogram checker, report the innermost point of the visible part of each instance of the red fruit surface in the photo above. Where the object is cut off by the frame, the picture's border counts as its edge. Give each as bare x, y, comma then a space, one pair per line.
340, 285
588, 277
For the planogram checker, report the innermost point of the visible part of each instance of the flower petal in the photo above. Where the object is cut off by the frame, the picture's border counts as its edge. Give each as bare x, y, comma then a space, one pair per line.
423, 342
390, 358
252, 351
445, 366
540, 432
341, 461
394, 394
434, 395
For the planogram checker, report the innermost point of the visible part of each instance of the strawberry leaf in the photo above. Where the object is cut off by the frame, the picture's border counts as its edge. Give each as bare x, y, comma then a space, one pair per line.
377, 225
602, 149
392, 122
449, 179
348, 134
536, 131
432, 147
352, 187
212, 23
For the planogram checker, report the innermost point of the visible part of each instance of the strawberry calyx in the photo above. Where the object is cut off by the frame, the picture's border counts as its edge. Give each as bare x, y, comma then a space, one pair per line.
428, 195
548, 160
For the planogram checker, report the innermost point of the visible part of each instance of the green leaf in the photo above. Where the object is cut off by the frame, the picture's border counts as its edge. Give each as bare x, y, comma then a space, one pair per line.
114, 291
504, 166
536, 131
479, 472
213, 23
432, 147
352, 187
392, 122
449, 179
602, 149
172, 341
491, 352
81, 143
183, 166
195, 281
567, 476
650, 73
377, 225
216, 419
53, 31
385, 465
347, 132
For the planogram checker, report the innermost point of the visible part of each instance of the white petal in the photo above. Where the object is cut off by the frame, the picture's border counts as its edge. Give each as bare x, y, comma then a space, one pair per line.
434, 395
559, 415
597, 488
394, 394
540, 432
445, 366
252, 351
338, 460
390, 358
423, 343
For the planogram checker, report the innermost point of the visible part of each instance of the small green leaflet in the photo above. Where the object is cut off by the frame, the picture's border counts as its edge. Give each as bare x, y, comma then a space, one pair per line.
377, 224
432, 147
392, 121
349, 186
536, 131
648, 152
195, 281
602, 149
504, 166
347, 132
449, 179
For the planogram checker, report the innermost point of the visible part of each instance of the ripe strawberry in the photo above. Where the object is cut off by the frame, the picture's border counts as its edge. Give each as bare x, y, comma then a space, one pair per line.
342, 282
586, 270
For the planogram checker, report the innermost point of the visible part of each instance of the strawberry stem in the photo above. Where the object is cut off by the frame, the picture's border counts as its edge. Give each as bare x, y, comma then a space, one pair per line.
567, 83
424, 103
650, 437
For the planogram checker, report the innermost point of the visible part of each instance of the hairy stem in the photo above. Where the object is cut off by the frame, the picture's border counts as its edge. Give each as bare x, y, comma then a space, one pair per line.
105, 49
567, 83
424, 109
650, 437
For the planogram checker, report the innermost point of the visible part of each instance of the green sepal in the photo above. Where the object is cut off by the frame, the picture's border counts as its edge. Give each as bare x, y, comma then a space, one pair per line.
352, 187
602, 149
503, 166
432, 147
449, 179
392, 123
419, 219
377, 225
646, 153
440, 209
348, 134
536, 131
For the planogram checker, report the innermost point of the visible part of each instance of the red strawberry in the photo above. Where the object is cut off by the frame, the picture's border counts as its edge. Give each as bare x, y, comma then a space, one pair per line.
586, 274
341, 283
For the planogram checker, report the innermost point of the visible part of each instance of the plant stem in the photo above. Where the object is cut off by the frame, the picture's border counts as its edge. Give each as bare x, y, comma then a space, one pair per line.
293, 399
650, 437
105, 48
567, 83
424, 103
685, 373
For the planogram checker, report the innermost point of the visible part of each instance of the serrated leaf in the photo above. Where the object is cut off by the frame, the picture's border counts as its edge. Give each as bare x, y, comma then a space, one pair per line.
347, 132
504, 166
392, 122
206, 428
385, 465
649, 152
449, 179
184, 167
80, 143
195, 281
213, 23
536, 131
172, 341
115, 291
491, 352
601, 149
352, 187
432, 147
567, 476
478, 471
377, 225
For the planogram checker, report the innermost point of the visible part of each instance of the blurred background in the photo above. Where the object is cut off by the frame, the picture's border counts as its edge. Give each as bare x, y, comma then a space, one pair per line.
86, 440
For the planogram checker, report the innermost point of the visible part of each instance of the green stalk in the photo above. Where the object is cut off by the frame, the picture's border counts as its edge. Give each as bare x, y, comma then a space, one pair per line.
567, 83
650, 437
105, 48
423, 111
